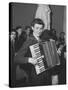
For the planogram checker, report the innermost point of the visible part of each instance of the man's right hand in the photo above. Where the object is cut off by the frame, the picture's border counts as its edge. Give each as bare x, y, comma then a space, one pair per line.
32, 61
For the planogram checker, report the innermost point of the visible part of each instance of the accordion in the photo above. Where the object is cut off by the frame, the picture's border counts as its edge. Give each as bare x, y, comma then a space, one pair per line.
49, 51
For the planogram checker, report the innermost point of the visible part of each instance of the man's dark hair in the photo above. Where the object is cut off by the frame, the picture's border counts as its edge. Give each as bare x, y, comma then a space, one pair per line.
62, 33
13, 30
37, 21
26, 27
18, 27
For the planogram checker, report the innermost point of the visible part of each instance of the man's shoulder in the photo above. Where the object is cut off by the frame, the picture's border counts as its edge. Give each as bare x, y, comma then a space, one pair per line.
30, 41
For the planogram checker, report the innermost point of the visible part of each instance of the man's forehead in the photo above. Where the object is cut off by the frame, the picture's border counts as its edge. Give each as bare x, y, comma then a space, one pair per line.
38, 25
20, 29
13, 32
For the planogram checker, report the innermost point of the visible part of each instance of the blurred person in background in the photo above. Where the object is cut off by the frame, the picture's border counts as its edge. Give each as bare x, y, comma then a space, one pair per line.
21, 37
54, 35
28, 31
61, 42
62, 38
62, 54
12, 39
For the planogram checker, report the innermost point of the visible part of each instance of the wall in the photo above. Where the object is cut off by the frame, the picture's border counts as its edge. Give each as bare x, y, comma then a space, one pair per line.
23, 14
58, 18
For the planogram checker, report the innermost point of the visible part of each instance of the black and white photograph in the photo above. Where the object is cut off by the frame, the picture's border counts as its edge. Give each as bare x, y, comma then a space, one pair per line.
37, 44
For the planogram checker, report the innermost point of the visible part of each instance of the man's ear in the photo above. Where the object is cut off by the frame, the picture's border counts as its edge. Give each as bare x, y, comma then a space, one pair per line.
32, 28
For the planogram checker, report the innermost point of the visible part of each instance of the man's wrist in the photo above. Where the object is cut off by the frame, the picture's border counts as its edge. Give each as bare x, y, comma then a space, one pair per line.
29, 60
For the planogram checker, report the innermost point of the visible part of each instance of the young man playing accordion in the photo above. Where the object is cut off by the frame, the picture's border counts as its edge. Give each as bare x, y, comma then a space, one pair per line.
25, 57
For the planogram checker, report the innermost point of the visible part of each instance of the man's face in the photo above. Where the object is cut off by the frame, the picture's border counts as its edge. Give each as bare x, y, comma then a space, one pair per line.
37, 29
13, 35
28, 31
19, 31
62, 35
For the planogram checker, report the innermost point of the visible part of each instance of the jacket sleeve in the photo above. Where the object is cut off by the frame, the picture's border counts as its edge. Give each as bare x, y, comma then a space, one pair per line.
20, 57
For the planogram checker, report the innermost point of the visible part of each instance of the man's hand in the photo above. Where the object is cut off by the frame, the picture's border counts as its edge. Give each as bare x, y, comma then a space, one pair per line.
34, 60
59, 52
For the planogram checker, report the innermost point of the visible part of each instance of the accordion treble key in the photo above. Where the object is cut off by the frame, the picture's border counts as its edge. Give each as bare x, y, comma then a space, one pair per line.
50, 59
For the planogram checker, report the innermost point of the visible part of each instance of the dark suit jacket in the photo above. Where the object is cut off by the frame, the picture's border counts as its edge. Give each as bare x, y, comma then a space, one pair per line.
11, 64
22, 58
24, 52
19, 41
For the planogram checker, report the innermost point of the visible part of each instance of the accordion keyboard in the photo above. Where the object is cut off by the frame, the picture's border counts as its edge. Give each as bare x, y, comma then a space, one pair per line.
36, 54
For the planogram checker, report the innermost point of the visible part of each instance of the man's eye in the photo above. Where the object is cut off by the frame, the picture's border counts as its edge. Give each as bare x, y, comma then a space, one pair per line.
37, 28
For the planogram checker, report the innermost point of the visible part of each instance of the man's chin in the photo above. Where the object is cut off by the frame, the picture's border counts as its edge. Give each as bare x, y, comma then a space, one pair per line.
38, 35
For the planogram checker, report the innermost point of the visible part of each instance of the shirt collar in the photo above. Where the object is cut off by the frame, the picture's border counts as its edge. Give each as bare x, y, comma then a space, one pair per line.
37, 38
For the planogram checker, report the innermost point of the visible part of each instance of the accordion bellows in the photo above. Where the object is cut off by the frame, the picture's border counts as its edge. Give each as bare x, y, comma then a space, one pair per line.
46, 55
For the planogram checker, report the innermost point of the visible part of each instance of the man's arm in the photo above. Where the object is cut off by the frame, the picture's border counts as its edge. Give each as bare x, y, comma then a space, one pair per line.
20, 56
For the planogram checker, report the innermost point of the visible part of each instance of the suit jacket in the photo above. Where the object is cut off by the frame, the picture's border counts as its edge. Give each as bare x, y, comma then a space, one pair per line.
19, 41
24, 53
22, 58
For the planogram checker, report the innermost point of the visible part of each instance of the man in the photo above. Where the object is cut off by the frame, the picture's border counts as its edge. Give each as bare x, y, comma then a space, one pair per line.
21, 37
24, 56
11, 58
28, 31
62, 54
62, 38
